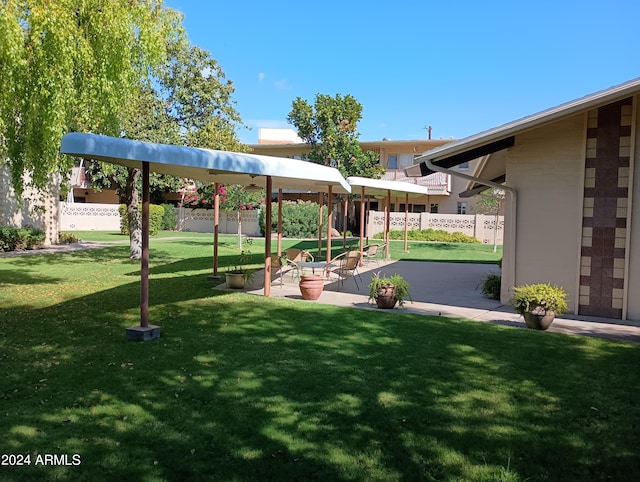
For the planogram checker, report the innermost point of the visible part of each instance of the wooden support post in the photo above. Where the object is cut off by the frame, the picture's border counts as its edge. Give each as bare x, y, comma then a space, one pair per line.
216, 227
329, 222
344, 221
267, 239
361, 223
387, 224
145, 331
144, 262
406, 222
367, 214
320, 202
279, 223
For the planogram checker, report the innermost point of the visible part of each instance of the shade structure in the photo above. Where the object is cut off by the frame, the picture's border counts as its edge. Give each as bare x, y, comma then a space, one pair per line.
206, 165
379, 188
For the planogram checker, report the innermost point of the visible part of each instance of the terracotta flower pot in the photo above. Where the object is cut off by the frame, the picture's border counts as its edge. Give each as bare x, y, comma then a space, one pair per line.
311, 286
386, 297
539, 318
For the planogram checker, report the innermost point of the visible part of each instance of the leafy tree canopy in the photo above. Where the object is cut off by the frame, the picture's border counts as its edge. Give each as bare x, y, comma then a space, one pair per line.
234, 197
329, 126
189, 102
488, 201
70, 65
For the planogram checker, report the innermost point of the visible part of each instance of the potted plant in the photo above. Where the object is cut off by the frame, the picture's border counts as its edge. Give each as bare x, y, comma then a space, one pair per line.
388, 290
491, 286
311, 286
238, 275
539, 303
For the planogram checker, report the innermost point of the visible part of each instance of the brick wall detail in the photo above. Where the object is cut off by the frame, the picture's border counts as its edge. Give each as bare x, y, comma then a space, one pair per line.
604, 221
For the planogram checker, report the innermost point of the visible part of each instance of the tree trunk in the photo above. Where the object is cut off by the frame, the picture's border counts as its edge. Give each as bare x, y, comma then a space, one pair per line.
133, 215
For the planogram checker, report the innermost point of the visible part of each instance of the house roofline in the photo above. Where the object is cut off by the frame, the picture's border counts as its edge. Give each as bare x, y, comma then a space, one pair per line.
509, 129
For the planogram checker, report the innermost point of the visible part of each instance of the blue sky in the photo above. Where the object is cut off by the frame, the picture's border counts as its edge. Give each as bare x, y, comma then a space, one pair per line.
461, 66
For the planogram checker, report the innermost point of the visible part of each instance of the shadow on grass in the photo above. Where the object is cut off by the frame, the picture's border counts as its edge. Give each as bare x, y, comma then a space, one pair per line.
100, 255
240, 387
24, 277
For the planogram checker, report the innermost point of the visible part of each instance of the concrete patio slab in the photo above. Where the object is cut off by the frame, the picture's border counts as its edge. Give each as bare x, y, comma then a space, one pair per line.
445, 289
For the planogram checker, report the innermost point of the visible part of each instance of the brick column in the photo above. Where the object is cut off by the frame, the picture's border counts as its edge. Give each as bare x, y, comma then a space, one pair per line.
604, 221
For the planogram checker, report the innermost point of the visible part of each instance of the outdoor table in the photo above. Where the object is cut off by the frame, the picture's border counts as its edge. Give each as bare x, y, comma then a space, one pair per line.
312, 264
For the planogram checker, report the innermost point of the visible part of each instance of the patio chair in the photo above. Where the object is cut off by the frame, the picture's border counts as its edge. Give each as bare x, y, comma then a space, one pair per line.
295, 256
343, 265
276, 264
370, 252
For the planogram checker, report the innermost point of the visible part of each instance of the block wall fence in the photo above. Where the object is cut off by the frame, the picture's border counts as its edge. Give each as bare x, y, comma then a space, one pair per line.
105, 217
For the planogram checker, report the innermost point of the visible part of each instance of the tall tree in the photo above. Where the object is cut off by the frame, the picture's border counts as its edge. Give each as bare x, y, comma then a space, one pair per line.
488, 202
189, 102
70, 65
198, 98
329, 126
237, 198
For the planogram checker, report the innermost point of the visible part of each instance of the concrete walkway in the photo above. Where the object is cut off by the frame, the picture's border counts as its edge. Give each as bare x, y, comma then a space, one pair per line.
445, 289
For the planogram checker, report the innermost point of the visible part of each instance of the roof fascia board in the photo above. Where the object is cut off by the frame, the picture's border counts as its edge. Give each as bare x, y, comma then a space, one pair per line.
472, 191
581, 104
419, 170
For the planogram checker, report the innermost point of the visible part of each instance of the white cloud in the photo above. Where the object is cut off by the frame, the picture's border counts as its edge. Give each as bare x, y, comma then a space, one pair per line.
282, 84
261, 76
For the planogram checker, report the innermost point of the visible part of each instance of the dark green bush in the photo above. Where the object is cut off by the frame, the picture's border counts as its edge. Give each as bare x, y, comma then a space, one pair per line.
299, 219
168, 217
155, 218
14, 239
491, 286
438, 235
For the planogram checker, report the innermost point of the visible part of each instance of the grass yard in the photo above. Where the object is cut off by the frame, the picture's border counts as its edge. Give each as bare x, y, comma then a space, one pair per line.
418, 250
244, 388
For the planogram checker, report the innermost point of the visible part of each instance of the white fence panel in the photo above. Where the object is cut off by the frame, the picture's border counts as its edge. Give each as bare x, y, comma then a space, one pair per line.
482, 227
89, 217
452, 223
201, 221
106, 217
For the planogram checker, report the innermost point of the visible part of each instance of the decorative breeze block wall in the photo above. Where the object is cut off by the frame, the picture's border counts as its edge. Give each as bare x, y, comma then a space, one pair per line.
480, 226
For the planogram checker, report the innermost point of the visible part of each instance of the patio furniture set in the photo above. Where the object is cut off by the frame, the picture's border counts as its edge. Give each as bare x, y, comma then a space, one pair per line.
299, 262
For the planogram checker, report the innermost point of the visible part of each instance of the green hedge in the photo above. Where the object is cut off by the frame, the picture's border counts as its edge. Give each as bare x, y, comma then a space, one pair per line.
438, 235
14, 239
156, 214
299, 219
169, 217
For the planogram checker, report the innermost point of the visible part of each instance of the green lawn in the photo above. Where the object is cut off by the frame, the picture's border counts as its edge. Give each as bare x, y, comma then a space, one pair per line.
418, 251
244, 388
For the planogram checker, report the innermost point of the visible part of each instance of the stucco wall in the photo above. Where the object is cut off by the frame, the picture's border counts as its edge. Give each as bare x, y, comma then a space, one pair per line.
37, 209
546, 168
633, 274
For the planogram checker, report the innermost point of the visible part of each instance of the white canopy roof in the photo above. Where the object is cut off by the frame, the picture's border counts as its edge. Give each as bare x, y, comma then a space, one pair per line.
380, 187
206, 165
